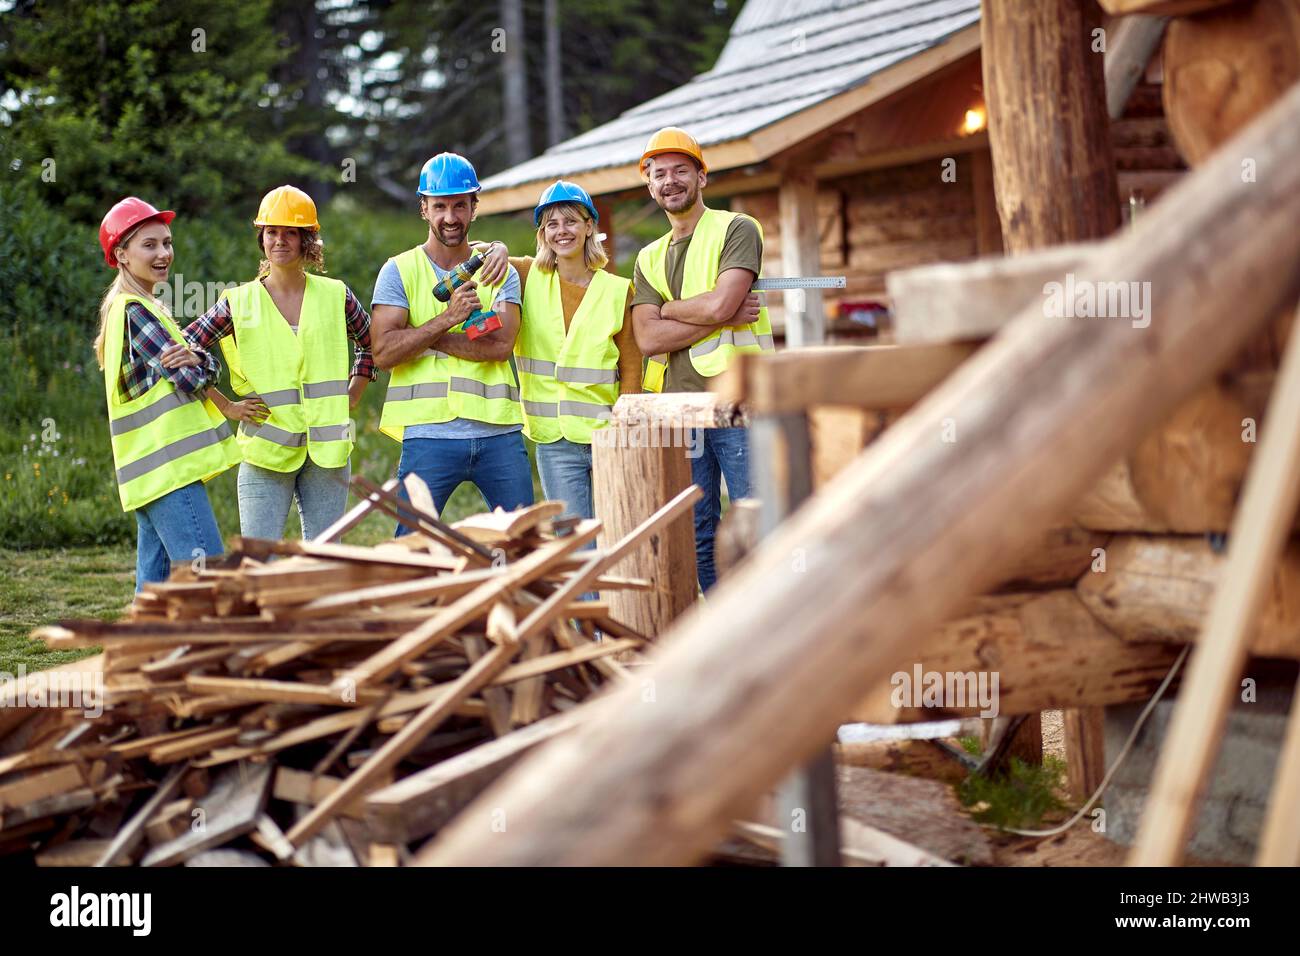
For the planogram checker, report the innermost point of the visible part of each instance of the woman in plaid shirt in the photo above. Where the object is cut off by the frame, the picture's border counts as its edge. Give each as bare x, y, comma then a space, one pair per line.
286, 456
161, 459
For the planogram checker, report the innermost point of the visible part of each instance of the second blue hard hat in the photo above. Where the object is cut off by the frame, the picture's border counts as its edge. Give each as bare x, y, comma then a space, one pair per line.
448, 174
562, 191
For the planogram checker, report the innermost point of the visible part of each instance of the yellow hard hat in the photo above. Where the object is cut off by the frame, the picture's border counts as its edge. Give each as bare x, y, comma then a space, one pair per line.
672, 139
287, 206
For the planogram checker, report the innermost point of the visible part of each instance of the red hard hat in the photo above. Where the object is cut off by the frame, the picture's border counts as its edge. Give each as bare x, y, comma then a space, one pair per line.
123, 217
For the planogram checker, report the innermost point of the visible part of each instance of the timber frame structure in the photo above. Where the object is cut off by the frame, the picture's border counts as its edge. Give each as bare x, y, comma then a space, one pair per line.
1002, 445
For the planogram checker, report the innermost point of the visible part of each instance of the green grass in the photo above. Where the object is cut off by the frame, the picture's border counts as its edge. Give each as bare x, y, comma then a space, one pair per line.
42, 587
1021, 798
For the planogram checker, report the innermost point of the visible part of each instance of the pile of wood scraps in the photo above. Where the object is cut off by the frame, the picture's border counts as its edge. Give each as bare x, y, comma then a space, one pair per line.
242, 711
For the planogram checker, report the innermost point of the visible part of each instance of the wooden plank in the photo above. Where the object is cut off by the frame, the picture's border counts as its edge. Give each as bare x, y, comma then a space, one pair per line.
339, 723
403, 742
875, 377
554, 605
909, 531
283, 692
1130, 44
129, 837
354, 516
561, 659
1268, 507
194, 746
969, 301
465, 609
494, 696
418, 805
39, 785
299, 786
231, 809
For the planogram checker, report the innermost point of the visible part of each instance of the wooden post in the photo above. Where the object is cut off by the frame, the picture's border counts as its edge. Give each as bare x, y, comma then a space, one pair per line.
630, 481
1048, 129
753, 683
805, 315
1258, 536
781, 462
988, 230
1054, 175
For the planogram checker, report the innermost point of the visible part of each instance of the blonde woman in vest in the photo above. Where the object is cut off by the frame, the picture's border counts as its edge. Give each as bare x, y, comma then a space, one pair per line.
167, 438
290, 337
575, 352
693, 310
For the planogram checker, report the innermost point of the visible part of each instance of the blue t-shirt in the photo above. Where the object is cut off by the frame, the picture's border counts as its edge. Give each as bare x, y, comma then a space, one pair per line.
390, 291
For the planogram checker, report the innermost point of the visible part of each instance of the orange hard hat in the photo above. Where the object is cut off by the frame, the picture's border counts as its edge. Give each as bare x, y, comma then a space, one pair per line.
287, 206
124, 217
673, 139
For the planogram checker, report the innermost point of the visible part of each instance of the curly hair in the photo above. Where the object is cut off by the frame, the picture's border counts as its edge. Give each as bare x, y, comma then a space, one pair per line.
313, 250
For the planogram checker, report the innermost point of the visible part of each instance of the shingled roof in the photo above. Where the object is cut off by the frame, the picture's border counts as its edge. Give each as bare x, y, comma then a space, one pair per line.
783, 58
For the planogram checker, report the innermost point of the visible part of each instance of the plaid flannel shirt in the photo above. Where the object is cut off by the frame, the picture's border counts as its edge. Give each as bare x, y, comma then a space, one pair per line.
217, 322
142, 365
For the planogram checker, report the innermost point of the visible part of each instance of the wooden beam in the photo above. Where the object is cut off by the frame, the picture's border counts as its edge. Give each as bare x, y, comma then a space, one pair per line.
805, 315
1268, 507
1160, 588
419, 804
1053, 165
758, 678
875, 377
1048, 129
1129, 47
1047, 651
1222, 68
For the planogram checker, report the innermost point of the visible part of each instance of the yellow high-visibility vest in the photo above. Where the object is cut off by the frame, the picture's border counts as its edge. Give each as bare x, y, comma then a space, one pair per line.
434, 386
711, 355
302, 377
569, 380
164, 439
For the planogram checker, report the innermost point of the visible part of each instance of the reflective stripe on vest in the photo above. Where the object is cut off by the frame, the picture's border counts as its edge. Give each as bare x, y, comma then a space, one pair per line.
711, 355
302, 377
173, 452
164, 439
569, 378
128, 423
434, 386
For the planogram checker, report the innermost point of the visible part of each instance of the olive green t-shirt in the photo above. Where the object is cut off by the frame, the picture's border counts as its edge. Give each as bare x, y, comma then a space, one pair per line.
741, 249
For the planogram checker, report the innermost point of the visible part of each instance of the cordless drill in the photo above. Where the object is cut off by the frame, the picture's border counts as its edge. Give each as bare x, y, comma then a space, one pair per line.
479, 322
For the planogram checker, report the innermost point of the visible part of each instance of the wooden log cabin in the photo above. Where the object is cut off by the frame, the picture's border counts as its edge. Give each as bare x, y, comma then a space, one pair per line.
855, 133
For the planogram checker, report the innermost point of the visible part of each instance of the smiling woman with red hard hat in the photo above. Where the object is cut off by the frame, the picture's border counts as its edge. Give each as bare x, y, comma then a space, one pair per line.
167, 438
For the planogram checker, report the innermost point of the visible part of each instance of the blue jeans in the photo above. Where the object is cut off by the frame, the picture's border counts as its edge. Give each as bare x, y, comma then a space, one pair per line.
177, 527
265, 496
724, 453
565, 470
498, 466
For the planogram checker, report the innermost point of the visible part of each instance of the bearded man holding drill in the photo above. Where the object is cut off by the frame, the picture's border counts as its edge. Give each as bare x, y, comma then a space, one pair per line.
453, 400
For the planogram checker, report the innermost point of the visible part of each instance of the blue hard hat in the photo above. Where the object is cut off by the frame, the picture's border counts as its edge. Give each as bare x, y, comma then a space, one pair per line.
448, 174
561, 191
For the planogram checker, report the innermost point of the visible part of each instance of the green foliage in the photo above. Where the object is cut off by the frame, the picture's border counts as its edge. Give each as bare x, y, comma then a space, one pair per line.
126, 98
1019, 799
